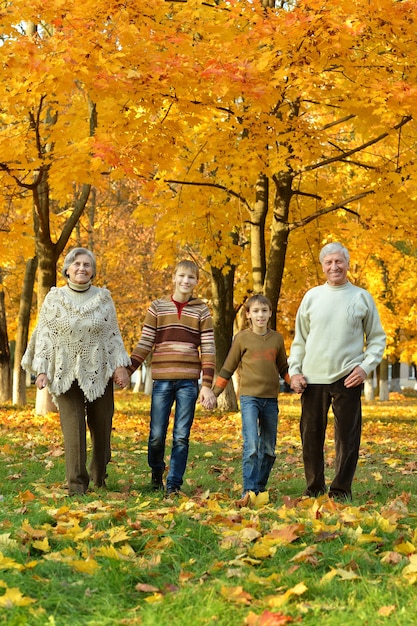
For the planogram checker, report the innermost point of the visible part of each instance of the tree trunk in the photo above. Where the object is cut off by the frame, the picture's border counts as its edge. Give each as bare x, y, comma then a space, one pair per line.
5, 370
147, 390
19, 375
48, 253
395, 384
279, 241
223, 318
383, 380
257, 234
368, 388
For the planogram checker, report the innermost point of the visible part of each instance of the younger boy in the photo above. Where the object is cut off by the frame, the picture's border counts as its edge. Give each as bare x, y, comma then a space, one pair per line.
259, 353
178, 329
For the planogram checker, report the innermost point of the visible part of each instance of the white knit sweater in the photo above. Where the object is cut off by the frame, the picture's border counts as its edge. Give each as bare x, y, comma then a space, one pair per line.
76, 338
336, 329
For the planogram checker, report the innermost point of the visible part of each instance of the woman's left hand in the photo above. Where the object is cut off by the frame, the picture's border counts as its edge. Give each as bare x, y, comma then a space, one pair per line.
121, 377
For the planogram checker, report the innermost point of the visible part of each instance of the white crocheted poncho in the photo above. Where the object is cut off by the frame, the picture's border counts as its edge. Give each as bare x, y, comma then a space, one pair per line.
76, 338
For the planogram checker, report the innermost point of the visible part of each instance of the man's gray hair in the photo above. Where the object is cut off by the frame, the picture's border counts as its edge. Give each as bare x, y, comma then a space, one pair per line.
333, 248
72, 255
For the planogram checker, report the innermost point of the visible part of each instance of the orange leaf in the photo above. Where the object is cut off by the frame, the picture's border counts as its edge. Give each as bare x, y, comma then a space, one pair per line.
267, 619
385, 611
26, 496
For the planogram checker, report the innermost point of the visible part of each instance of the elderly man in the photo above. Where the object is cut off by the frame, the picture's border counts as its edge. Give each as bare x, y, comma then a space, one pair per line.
338, 341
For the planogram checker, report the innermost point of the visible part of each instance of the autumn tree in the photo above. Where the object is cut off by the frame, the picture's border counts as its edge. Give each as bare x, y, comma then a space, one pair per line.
257, 131
285, 117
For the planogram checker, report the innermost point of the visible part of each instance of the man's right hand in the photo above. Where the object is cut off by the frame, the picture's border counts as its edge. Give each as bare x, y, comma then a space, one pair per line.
298, 383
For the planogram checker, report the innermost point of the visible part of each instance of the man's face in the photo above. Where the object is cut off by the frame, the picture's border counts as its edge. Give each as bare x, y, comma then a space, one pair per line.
335, 268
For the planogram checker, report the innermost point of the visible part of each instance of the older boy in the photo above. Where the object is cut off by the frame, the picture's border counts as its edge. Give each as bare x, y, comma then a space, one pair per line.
178, 329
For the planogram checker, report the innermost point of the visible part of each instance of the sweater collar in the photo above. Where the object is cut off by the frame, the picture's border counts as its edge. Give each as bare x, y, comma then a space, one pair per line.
76, 287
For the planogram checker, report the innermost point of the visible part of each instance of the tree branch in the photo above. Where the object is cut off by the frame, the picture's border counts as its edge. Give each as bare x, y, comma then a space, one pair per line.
334, 207
344, 155
230, 192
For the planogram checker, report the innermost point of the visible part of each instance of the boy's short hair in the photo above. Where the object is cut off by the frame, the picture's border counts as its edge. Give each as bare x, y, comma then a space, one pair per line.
187, 265
260, 298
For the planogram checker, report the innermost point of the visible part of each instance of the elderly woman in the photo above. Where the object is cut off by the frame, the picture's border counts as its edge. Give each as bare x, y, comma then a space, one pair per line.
77, 352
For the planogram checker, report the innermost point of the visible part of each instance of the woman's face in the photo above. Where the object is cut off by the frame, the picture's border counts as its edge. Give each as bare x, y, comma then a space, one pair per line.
81, 269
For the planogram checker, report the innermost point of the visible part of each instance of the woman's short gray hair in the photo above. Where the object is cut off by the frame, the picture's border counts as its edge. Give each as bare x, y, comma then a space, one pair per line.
72, 255
333, 248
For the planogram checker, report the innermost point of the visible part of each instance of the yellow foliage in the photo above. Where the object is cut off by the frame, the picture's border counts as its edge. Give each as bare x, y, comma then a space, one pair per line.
319, 98
13, 597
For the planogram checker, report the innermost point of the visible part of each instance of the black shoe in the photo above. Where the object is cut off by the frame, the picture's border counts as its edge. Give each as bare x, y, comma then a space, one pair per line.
172, 490
156, 482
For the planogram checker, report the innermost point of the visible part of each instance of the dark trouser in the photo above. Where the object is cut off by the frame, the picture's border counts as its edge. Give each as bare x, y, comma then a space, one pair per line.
346, 405
73, 409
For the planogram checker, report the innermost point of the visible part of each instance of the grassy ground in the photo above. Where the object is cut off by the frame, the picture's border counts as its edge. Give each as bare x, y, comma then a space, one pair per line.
130, 556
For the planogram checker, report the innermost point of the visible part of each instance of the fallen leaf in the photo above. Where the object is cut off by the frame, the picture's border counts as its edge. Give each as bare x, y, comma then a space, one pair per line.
14, 597
85, 567
146, 588
278, 601
236, 594
267, 619
386, 611
26, 496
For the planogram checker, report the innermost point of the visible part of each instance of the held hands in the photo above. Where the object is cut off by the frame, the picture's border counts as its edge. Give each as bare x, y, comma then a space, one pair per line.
298, 383
207, 398
355, 378
121, 377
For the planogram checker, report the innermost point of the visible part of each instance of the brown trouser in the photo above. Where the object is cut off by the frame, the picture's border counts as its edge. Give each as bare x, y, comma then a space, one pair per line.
73, 410
346, 404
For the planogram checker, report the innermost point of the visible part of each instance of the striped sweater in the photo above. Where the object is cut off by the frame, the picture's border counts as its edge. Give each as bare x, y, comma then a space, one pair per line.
182, 344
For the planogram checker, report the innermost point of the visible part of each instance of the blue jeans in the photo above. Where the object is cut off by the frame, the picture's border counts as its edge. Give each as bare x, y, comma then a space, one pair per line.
164, 393
259, 431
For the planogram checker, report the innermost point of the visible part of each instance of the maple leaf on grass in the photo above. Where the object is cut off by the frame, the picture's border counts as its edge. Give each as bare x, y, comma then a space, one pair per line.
89, 566
343, 574
279, 600
13, 597
267, 618
8, 563
145, 588
236, 594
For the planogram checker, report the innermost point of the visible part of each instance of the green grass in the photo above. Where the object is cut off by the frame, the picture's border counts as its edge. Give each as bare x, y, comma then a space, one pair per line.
200, 559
